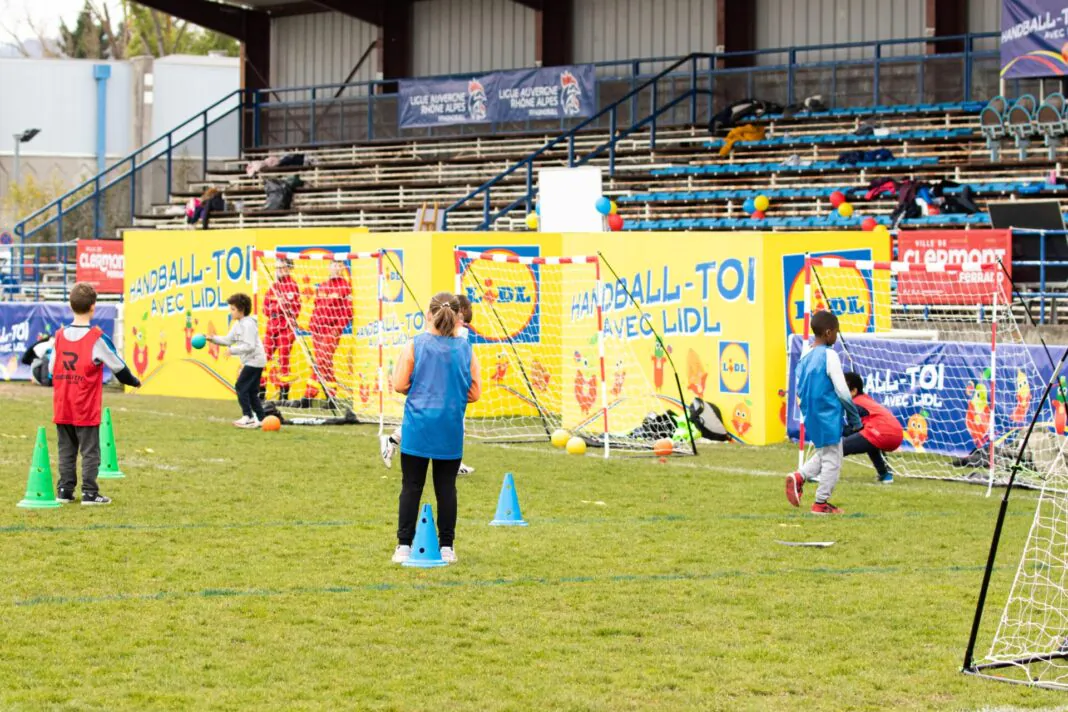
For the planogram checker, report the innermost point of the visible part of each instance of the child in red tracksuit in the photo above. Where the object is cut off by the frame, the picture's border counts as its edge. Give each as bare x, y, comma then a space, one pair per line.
281, 307
331, 315
881, 432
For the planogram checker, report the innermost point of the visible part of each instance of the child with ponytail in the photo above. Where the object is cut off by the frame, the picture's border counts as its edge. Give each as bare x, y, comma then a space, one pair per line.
440, 375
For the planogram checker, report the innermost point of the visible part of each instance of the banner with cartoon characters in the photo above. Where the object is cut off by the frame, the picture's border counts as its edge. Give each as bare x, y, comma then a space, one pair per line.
513, 96
941, 391
24, 324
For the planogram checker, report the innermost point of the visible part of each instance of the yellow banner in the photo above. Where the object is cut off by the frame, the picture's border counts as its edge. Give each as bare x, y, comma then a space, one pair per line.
724, 304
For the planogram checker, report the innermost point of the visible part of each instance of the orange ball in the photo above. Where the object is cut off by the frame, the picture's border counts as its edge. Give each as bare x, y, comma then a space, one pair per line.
271, 423
663, 447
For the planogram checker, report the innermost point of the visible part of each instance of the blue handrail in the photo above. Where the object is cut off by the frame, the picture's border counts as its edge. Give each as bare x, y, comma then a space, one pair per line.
698, 71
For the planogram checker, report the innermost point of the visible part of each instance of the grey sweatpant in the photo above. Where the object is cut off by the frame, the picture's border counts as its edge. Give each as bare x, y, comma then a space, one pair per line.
73, 438
823, 468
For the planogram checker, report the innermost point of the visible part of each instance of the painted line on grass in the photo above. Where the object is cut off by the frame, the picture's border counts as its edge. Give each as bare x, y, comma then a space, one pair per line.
522, 581
786, 518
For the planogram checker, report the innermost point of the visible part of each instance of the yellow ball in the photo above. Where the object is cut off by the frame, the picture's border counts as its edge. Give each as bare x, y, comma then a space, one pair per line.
532, 221
614, 209
761, 203
882, 231
559, 438
845, 210
576, 446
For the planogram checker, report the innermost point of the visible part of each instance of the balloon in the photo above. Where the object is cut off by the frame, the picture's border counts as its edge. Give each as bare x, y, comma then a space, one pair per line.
603, 205
614, 209
845, 210
749, 206
868, 224
761, 203
615, 222
758, 215
882, 231
532, 221
837, 198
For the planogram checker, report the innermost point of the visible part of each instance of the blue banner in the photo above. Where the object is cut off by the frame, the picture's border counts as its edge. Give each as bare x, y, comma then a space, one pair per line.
514, 96
24, 324
940, 391
1034, 38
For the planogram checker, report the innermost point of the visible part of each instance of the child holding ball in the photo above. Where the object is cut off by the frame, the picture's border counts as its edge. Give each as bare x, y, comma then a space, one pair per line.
440, 375
244, 342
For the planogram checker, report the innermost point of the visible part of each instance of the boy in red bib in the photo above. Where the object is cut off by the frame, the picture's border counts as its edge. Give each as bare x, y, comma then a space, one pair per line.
881, 432
77, 366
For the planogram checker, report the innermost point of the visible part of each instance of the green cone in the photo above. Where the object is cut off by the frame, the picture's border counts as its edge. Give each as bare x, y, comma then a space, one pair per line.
40, 492
109, 456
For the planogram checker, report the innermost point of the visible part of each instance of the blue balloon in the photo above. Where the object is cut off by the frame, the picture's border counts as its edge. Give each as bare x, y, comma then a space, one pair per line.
749, 207
603, 205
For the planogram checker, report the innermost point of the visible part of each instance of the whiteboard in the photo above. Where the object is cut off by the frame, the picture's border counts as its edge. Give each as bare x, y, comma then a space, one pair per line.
567, 198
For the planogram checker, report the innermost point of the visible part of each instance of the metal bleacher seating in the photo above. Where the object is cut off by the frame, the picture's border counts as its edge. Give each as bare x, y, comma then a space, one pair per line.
682, 184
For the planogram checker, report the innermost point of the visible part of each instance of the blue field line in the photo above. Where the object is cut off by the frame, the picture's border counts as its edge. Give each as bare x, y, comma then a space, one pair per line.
789, 515
424, 585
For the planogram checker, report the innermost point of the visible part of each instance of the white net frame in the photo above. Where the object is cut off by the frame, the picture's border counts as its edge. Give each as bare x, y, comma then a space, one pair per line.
982, 323
522, 398
362, 328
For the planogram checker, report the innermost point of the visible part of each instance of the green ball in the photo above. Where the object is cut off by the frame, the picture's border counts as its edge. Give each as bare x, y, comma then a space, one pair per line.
198, 341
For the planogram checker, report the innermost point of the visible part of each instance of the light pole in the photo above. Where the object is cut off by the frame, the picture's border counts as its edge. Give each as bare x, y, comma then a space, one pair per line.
21, 138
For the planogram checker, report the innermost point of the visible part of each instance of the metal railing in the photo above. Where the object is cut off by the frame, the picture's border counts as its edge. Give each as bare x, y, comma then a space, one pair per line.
628, 94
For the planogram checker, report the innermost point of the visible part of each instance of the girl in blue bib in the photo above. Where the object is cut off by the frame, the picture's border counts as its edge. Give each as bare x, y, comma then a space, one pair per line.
440, 375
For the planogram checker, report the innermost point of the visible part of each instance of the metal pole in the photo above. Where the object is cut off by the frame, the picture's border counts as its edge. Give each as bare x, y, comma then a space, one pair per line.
18, 144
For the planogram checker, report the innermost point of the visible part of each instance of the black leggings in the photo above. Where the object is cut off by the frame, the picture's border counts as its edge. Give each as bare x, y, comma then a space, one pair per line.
248, 391
413, 478
856, 444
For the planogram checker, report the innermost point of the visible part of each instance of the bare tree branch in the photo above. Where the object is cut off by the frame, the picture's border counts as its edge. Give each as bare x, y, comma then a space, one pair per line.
161, 46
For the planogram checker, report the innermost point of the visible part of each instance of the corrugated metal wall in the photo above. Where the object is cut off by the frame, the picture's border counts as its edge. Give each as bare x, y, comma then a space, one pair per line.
320, 48
793, 23
607, 30
458, 36
984, 16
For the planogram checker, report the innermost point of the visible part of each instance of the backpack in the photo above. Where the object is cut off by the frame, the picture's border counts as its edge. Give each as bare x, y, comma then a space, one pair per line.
708, 419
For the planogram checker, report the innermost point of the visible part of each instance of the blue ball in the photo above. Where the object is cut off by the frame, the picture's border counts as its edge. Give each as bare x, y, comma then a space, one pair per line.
198, 341
603, 205
749, 207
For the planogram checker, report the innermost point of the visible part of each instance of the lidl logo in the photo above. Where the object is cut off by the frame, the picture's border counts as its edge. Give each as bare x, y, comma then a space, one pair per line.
733, 367
393, 276
847, 292
505, 296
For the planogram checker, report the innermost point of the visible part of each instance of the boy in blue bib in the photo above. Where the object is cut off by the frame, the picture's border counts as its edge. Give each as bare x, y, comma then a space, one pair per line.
825, 399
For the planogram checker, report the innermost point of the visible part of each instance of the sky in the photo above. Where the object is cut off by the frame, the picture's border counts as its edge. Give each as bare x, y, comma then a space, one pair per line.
17, 15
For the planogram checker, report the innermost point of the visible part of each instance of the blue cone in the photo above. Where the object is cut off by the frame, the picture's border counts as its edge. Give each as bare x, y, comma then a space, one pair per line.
425, 551
508, 514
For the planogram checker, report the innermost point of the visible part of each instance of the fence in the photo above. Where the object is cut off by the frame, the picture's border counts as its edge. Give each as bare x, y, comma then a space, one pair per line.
632, 95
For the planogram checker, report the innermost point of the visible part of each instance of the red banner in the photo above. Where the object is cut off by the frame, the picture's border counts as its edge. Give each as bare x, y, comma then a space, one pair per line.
954, 247
100, 263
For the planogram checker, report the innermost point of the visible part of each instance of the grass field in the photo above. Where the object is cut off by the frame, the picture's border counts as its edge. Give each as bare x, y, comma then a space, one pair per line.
246, 570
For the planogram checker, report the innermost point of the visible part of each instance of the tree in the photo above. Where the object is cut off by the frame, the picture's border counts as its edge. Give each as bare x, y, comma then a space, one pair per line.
139, 31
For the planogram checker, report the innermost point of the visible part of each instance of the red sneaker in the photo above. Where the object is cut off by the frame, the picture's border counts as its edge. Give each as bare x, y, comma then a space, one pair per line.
825, 508
794, 484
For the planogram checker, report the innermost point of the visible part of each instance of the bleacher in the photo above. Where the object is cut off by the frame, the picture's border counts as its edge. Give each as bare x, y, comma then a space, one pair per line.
683, 184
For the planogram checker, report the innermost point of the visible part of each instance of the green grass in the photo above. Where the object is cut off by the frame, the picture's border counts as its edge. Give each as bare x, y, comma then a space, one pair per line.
245, 570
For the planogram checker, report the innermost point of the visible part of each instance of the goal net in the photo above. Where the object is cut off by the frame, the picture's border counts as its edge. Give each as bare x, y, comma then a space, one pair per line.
551, 358
332, 325
940, 346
